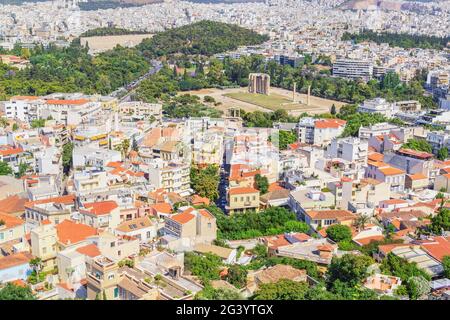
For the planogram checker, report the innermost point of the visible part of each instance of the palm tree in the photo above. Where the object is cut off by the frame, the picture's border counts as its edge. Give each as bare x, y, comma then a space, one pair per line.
361, 222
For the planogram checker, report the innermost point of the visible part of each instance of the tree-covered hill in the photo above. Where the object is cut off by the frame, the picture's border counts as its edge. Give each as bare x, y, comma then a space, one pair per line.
204, 38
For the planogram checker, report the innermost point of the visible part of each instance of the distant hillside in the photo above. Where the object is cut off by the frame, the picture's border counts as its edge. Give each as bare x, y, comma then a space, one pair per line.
112, 4
20, 2
204, 38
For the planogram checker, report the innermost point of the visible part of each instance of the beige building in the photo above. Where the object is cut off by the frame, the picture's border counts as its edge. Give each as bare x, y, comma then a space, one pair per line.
103, 214
12, 229
44, 244
190, 226
171, 177
55, 210
103, 279
442, 182
243, 199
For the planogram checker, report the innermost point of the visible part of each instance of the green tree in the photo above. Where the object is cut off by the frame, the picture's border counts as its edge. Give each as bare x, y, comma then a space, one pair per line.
442, 154
333, 109
418, 144
446, 265
13, 292
5, 169
284, 289
417, 287
205, 181
67, 156
210, 293
262, 183
339, 232
237, 276
206, 267
350, 269
15, 127
36, 264
361, 221
440, 222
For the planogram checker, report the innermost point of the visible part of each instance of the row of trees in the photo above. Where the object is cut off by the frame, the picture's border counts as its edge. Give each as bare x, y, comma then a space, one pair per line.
403, 40
248, 225
72, 69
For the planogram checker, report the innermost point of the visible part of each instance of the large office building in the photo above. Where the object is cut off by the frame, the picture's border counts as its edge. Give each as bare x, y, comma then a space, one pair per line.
259, 83
353, 69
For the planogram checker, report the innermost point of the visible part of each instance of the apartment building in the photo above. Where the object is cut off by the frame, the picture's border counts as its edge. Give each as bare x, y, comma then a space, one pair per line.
412, 161
54, 209
138, 110
378, 105
208, 147
189, 227
353, 69
319, 132
172, 177
378, 129
102, 214
383, 172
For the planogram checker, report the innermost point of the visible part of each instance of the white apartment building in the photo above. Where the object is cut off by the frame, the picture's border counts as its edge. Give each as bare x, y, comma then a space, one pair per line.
48, 161
319, 131
378, 105
91, 157
172, 177
353, 69
378, 129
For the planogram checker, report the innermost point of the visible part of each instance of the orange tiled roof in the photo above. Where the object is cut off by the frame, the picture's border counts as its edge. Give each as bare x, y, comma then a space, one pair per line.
438, 248
15, 259
162, 207
417, 176
70, 232
391, 171
183, 217
242, 190
329, 123
91, 250
100, 208
11, 221
12, 204
9, 150
330, 214
197, 200
68, 199
67, 102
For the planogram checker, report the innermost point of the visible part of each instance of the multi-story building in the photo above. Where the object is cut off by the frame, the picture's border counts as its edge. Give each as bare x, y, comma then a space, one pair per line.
378, 105
138, 110
319, 131
208, 148
103, 214
377, 129
353, 69
242, 199
191, 226
383, 172
172, 177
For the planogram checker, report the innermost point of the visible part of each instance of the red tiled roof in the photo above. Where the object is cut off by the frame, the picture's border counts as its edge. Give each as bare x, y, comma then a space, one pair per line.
68, 199
162, 207
13, 204
100, 208
183, 217
11, 221
67, 102
242, 190
91, 250
15, 259
70, 232
438, 248
329, 123
9, 150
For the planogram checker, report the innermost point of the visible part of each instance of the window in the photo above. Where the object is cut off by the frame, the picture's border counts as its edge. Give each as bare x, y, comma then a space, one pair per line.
209, 225
110, 276
113, 244
44, 250
149, 234
1, 236
116, 292
119, 253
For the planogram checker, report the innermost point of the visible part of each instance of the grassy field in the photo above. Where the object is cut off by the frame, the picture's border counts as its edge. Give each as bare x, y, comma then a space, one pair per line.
272, 101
